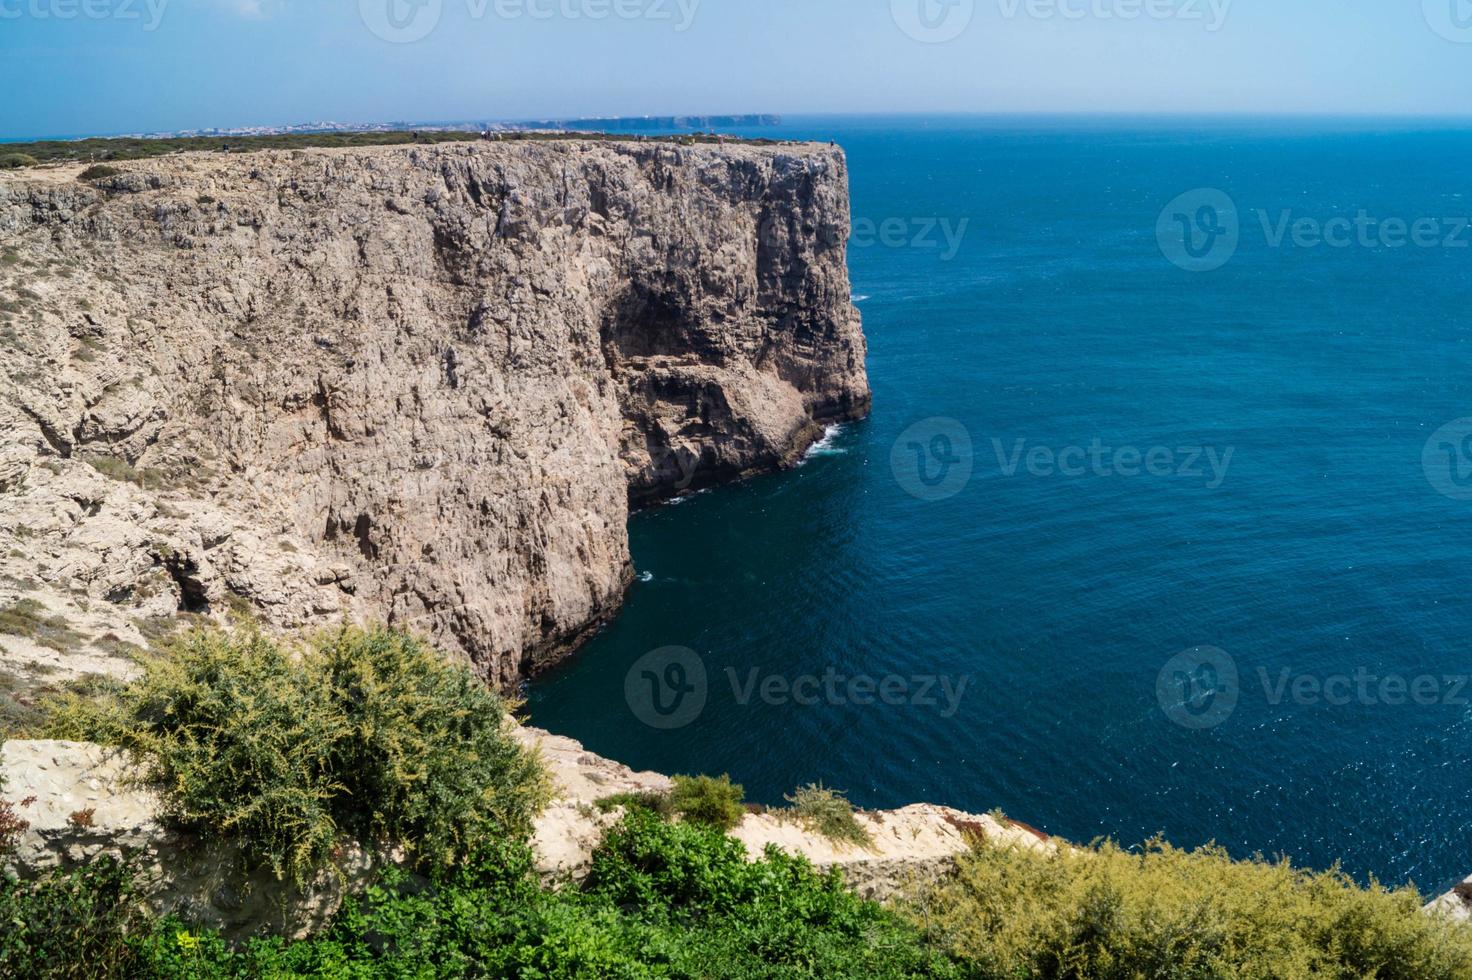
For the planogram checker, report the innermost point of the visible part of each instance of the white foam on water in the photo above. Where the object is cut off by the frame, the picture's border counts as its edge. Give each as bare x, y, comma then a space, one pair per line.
682, 498
825, 446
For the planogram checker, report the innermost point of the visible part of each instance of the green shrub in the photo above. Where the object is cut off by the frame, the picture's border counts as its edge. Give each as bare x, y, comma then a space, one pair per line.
14, 161
708, 801
28, 618
70, 924
664, 901
829, 813
1104, 912
428, 757
98, 171
18, 712
658, 804
119, 469
359, 735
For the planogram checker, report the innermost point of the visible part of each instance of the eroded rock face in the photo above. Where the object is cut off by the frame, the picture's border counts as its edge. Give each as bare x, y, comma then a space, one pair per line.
416, 384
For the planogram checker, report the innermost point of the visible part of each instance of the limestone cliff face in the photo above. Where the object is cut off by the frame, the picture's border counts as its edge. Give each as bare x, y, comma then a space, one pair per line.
418, 384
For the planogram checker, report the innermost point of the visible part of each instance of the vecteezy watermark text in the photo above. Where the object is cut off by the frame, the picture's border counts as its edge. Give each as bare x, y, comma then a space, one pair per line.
1211, 14
406, 21
935, 459
1201, 230
1096, 459
1201, 688
148, 13
1364, 687
670, 688
861, 690
941, 235
939, 21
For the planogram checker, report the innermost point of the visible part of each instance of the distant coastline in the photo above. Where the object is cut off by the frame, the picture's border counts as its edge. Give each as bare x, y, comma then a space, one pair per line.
619, 124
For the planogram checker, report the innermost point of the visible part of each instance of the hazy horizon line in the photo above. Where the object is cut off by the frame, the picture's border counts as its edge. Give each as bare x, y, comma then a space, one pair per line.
1079, 114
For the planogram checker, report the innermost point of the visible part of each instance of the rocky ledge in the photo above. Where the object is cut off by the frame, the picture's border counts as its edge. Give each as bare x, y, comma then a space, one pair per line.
1456, 903
83, 802
422, 385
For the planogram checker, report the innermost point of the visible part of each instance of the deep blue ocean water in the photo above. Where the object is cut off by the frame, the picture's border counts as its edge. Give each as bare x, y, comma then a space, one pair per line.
1331, 549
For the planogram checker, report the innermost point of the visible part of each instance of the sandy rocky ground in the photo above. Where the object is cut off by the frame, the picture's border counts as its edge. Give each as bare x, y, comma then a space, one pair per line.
84, 802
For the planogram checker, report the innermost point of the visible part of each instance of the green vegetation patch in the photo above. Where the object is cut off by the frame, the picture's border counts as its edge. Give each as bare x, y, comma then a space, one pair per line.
98, 172
14, 161
828, 812
664, 900
708, 801
81, 923
149, 478
19, 713
28, 618
358, 735
1105, 912
658, 804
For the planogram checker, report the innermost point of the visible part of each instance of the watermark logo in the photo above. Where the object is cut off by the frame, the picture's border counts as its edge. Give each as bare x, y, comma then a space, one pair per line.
938, 691
670, 688
1451, 19
667, 689
675, 467
1199, 689
932, 459
1365, 688
1200, 230
1212, 14
1205, 463
401, 21
147, 13
940, 235
933, 21
1447, 460
407, 21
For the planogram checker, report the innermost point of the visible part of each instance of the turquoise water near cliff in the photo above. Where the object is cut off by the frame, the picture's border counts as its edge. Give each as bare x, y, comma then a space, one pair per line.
1325, 539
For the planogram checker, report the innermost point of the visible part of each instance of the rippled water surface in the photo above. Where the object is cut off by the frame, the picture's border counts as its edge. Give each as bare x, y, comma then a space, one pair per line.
1318, 553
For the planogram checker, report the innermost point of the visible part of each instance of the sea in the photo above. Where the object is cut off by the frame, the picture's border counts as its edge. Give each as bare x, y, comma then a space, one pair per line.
1161, 525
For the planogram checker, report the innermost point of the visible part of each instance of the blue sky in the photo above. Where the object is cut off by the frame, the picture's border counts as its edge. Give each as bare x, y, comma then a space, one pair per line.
105, 66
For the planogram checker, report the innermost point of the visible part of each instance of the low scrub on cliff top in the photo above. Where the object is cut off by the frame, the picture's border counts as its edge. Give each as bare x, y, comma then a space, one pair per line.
1103, 913
829, 812
361, 735
77, 924
711, 801
664, 900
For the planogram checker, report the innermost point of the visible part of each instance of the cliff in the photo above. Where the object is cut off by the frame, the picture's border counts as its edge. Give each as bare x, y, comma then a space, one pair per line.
416, 384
